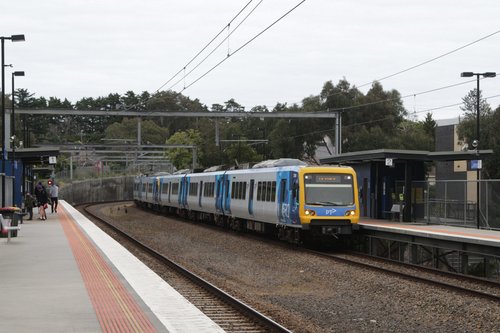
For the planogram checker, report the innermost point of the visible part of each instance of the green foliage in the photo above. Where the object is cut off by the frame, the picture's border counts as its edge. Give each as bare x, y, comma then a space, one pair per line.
371, 121
489, 127
492, 141
182, 158
151, 132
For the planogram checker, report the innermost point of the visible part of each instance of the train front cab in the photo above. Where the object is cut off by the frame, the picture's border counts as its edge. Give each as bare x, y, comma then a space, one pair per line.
328, 200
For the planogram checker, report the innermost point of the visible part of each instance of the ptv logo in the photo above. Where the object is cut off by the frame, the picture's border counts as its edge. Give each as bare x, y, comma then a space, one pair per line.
330, 211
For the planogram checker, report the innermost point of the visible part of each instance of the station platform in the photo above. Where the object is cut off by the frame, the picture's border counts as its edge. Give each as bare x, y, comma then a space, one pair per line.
481, 237
66, 275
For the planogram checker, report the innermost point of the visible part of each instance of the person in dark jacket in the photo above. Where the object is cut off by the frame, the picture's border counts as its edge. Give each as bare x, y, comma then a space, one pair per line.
42, 200
29, 203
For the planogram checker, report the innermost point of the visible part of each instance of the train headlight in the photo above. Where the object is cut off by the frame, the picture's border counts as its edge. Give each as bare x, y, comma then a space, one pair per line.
350, 213
310, 212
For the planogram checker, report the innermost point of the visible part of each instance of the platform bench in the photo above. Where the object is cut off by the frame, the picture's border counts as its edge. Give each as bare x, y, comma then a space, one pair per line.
396, 210
6, 226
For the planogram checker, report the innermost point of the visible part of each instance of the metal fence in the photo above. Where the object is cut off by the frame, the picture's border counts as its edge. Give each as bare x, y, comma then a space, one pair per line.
454, 202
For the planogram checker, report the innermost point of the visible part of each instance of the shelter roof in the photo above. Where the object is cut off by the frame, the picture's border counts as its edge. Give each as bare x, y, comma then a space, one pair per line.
34, 155
409, 155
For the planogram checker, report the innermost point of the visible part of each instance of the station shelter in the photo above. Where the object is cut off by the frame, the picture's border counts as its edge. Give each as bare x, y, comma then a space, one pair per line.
392, 180
21, 171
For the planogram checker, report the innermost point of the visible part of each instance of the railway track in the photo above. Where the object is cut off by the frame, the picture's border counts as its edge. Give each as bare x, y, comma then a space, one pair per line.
228, 312
458, 283
466, 284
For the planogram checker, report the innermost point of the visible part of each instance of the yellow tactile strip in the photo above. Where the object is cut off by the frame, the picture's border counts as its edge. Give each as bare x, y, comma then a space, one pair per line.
115, 308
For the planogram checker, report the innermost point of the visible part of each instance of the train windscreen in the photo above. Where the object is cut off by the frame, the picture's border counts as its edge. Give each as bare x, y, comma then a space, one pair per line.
329, 189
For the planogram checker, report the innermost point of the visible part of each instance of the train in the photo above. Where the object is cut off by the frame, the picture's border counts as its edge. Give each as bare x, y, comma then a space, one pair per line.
285, 197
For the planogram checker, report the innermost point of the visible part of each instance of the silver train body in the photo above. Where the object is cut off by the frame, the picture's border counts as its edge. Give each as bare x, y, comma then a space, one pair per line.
292, 200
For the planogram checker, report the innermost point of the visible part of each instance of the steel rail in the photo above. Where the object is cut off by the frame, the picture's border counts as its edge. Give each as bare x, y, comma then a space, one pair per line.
411, 277
264, 321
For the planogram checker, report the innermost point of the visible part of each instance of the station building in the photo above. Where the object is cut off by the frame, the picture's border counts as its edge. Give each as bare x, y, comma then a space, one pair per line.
391, 179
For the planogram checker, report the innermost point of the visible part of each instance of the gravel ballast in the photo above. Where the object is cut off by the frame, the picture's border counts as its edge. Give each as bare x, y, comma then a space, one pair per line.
303, 292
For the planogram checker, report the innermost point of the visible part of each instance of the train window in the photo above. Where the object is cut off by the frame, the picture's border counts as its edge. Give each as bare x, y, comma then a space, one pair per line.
244, 191
235, 194
175, 188
329, 189
269, 191
209, 189
283, 190
165, 188
273, 191
193, 189
259, 191
237, 190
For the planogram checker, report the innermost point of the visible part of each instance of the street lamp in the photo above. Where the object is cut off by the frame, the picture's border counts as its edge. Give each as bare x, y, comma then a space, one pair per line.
13, 38
477, 141
13, 135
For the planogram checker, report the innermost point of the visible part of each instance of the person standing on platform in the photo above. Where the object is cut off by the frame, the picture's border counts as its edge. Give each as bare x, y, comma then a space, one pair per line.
29, 203
54, 193
42, 200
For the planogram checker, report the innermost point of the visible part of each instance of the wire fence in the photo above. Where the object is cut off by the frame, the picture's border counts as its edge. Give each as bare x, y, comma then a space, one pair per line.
454, 202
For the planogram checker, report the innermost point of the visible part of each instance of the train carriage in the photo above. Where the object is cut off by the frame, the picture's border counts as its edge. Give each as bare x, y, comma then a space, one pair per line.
295, 200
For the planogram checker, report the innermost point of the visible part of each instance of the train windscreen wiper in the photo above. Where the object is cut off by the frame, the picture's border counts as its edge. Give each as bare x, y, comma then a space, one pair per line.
326, 203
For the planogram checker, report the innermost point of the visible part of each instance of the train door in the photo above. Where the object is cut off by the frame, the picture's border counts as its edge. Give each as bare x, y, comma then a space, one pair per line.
283, 197
294, 198
219, 181
156, 189
183, 191
227, 195
200, 195
250, 197
169, 191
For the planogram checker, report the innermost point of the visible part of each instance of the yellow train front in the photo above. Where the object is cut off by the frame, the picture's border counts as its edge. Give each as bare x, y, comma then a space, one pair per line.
328, 200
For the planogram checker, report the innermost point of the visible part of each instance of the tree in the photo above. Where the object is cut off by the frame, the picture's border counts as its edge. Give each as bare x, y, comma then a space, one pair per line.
379, 113
127, 130
467, 127
429, 126
182, 158
491, 164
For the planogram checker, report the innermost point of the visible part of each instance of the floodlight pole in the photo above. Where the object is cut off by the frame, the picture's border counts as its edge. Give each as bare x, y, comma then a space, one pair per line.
13, 38
478, 139
13, 136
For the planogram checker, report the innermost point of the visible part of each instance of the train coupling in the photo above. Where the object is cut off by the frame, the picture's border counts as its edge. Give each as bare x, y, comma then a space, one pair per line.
336, 230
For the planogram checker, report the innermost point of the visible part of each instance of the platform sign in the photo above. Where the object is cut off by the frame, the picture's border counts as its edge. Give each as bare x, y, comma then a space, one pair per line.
389, 162
476, 164
52, 160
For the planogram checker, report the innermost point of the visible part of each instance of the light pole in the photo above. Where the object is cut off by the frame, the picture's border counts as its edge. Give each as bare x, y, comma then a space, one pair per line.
13, 136
476, 142
13, 38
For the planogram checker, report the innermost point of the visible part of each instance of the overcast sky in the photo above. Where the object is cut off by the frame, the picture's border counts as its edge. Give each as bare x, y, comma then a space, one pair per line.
77, 48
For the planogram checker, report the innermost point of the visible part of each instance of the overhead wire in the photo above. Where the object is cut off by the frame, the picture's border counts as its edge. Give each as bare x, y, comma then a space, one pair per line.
183, 69
399, 97
433, 59
421, 111
420, 64
205, 47
216, 48
244, 45
388, 118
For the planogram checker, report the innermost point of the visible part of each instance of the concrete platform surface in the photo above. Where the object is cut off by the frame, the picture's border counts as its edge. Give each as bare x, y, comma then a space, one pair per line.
66, 275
